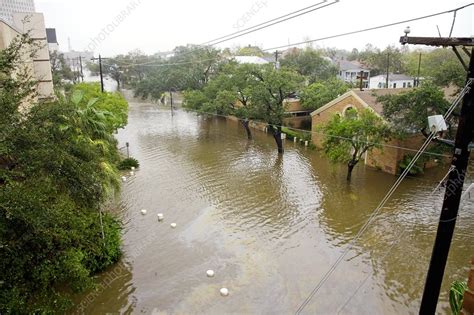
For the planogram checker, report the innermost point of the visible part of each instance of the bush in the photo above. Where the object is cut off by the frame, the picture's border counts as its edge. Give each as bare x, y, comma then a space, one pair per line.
127, 164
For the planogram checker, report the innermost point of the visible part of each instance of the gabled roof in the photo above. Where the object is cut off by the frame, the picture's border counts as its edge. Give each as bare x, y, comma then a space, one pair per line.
351, 65
251, 59
367, 98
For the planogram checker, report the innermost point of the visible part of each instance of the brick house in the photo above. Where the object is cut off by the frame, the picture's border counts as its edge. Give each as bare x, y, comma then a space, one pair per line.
387, 159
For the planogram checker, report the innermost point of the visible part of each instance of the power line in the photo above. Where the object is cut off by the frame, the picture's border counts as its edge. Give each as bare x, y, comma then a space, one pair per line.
261, 26
274, 23
369, 29
263, 23
327, 37
380, 206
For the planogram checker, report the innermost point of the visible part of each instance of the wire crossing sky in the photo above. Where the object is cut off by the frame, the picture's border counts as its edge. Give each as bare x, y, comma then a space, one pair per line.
120, 26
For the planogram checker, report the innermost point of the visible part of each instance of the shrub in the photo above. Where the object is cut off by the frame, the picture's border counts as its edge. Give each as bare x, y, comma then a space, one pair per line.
127, 164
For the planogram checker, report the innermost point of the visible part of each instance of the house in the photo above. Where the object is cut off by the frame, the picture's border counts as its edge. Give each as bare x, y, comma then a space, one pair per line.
350, 72
250, 60
395, 81
295, 115
394, 150
38, 65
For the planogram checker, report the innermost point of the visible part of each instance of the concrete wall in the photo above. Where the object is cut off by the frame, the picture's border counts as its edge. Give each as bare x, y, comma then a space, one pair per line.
34, 24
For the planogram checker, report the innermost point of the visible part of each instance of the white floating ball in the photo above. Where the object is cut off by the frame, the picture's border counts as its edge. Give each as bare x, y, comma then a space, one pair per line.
160, 217
224, 292
124, 179
132, 173
143, 211
173, 225
210, 273
132, 168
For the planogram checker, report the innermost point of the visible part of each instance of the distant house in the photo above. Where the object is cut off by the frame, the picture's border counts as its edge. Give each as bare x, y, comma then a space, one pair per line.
395, 81
250, 60
350, 71
387, 159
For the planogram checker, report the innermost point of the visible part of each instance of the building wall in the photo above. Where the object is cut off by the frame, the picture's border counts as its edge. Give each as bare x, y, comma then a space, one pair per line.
10, 7
379, 83
34, 24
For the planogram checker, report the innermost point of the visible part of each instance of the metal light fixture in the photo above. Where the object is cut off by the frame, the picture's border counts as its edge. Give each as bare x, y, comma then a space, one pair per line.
407, 30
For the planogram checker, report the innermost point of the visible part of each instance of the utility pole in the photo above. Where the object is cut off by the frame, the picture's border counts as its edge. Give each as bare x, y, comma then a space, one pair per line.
80, 64
454, 186
277, 63
419, 68
171, 102
388, 70
101, 72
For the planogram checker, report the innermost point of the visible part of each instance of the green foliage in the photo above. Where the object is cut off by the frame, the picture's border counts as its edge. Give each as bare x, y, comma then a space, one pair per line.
62, 73
456, 296
56, 170
322, 92
377, 60
310, 63
112, 106
416, 169
408, 112
440, 66
190, 68
348, 138
128, 163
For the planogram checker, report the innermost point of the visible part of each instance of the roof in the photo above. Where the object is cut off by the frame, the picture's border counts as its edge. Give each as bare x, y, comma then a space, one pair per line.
350, 65
367, 98
51, 35
394, 77
251, 59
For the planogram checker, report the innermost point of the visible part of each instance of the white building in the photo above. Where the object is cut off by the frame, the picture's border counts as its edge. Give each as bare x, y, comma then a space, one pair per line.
395, 81
350, 71
10, 7
251, 60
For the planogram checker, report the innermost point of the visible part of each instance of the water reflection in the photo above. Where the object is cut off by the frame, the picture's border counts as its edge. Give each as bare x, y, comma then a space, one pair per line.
269, 225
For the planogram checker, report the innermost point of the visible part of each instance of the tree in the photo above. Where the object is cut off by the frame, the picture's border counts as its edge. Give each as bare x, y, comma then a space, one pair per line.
348, 138
268, 94
441, 66
57, 167
378, 60
310, 63
322, 92
61, 70
229, 93
408, 112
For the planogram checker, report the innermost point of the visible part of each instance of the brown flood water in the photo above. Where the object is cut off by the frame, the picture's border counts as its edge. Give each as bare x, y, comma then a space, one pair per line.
269, 226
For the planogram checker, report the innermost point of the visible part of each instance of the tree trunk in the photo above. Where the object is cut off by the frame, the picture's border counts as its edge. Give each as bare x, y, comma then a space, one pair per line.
245, 123
118, 85
350, 168
277, 136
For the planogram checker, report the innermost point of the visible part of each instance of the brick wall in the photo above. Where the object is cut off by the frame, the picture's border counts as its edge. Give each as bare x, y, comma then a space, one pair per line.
468, 304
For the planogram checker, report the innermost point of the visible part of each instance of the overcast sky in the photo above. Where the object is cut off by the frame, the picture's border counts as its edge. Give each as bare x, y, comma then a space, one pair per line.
112, 27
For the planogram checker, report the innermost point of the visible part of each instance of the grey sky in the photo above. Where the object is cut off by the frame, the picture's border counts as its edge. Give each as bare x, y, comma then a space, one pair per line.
153, 26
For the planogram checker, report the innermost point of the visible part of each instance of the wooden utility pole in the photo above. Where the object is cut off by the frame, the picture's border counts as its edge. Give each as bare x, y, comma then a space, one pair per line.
419, 68
80, 64
454, 186
388, 70
100, 71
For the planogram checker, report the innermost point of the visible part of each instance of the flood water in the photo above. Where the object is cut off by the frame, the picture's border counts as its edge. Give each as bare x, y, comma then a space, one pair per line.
269, 226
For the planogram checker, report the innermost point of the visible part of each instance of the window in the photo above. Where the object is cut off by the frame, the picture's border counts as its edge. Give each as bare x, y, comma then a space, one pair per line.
394, 85
404, 84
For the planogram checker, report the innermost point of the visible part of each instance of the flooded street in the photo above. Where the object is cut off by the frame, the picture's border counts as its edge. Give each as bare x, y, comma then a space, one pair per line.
269, 226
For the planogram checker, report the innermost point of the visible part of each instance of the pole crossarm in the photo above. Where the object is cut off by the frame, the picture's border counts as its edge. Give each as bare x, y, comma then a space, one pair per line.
438, 41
